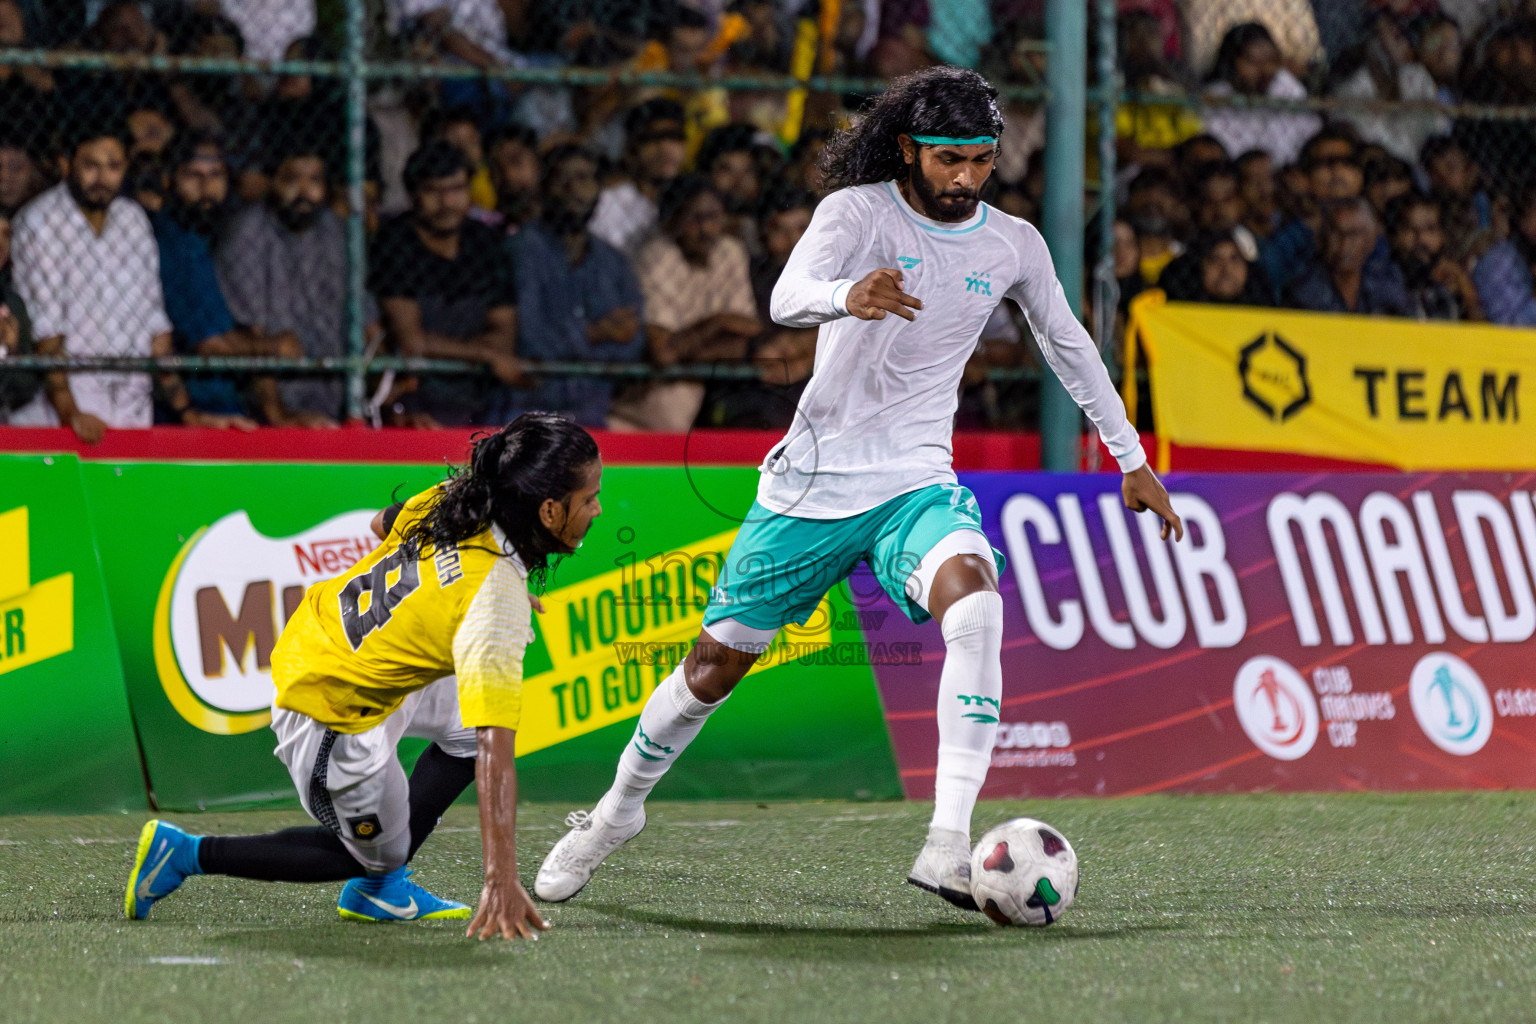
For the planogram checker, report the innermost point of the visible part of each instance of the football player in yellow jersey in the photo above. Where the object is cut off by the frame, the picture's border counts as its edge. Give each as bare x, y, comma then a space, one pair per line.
424, 637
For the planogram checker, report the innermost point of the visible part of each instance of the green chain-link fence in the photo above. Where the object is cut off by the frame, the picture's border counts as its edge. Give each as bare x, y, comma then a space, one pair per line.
1366, 157
257, 201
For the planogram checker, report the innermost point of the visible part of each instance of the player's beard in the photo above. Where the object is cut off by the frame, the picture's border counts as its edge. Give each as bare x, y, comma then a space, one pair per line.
952, 211
92, 200
297, 216
202, 218
566, 219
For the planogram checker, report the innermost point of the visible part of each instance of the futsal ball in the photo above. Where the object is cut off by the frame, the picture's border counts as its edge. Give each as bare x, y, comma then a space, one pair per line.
1024, 872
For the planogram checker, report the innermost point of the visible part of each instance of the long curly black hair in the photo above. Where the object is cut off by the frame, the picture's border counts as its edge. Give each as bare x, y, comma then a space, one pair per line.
942, 100
511, 473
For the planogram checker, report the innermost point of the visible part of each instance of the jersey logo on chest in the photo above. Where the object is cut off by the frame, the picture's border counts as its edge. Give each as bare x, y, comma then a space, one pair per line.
908, 262
979, 281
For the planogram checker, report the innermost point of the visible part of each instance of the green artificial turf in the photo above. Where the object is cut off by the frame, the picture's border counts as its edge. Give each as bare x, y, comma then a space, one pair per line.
1240, 908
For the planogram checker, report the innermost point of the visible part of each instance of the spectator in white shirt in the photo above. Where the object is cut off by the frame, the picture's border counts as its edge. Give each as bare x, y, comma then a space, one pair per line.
269, 27
474, 31
88, 268
654, 152
1249, 64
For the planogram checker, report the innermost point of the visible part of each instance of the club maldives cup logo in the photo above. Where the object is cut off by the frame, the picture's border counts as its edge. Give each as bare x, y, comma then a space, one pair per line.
1450, 703
224, 601
1276, 707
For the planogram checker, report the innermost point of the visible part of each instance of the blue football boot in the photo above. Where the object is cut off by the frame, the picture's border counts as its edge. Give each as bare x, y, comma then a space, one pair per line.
393, 897
166, 856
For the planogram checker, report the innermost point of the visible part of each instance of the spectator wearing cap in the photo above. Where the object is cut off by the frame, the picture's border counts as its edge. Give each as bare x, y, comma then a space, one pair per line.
1441, 289
282, 267
445, 292
88, 270
654, 151
698, 305
196, 206
577, 299
1249, 64
1344, 279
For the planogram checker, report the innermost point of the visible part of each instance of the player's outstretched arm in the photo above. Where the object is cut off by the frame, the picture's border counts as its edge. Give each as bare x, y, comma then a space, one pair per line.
505, 907
1142, 490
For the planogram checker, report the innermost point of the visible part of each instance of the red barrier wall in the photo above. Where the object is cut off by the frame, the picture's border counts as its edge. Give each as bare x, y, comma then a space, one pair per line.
974, 451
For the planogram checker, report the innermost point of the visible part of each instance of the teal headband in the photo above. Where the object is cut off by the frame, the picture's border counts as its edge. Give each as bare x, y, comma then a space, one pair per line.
940, 140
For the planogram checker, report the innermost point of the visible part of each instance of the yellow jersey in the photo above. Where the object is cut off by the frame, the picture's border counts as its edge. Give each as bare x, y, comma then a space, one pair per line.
361, 643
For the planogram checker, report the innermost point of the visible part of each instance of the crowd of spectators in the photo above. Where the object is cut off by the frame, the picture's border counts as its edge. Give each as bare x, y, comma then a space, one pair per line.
507, 224
1408, 205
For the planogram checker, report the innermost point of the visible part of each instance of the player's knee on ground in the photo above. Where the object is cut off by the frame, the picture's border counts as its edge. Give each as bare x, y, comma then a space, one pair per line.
383, 855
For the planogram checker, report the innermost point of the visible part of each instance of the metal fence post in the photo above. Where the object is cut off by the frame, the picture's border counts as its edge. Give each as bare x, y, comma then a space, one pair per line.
1066, 72
357, 240
1106, 292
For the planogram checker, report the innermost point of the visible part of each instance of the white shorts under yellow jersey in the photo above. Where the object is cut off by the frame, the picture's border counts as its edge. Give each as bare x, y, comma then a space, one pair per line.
363, 642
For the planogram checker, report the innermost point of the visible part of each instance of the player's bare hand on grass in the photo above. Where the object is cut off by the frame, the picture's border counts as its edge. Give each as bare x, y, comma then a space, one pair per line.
507, 911
1142, 491
880, 293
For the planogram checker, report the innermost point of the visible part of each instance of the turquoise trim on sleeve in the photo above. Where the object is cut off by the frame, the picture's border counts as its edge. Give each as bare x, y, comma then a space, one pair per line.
942, 140
840, 297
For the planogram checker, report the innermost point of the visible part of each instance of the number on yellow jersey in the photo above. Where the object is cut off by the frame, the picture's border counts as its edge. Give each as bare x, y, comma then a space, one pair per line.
356, 621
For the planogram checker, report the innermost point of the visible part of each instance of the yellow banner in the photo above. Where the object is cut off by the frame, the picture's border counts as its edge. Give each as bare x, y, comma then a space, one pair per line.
37, 620
1402, 393
613, 638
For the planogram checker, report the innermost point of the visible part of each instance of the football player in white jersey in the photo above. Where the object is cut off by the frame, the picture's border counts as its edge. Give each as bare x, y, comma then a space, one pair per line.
901, 268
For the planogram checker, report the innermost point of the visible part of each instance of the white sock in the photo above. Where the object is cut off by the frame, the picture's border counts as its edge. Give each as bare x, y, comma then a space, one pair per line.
970, 695
670, 720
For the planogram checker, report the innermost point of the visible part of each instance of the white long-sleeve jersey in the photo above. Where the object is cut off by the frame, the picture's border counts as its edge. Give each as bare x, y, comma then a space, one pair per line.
876, 419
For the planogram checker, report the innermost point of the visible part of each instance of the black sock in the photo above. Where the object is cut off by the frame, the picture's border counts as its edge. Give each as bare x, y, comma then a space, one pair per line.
436, 783
305, 854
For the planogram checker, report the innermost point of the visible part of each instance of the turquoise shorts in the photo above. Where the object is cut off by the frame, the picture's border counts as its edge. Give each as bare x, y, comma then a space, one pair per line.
779, 567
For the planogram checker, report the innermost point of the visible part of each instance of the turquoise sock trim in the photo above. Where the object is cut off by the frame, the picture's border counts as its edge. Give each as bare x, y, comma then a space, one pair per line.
942, 140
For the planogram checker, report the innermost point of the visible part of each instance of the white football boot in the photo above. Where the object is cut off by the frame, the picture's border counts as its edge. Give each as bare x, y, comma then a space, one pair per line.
944, 867
569, 866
